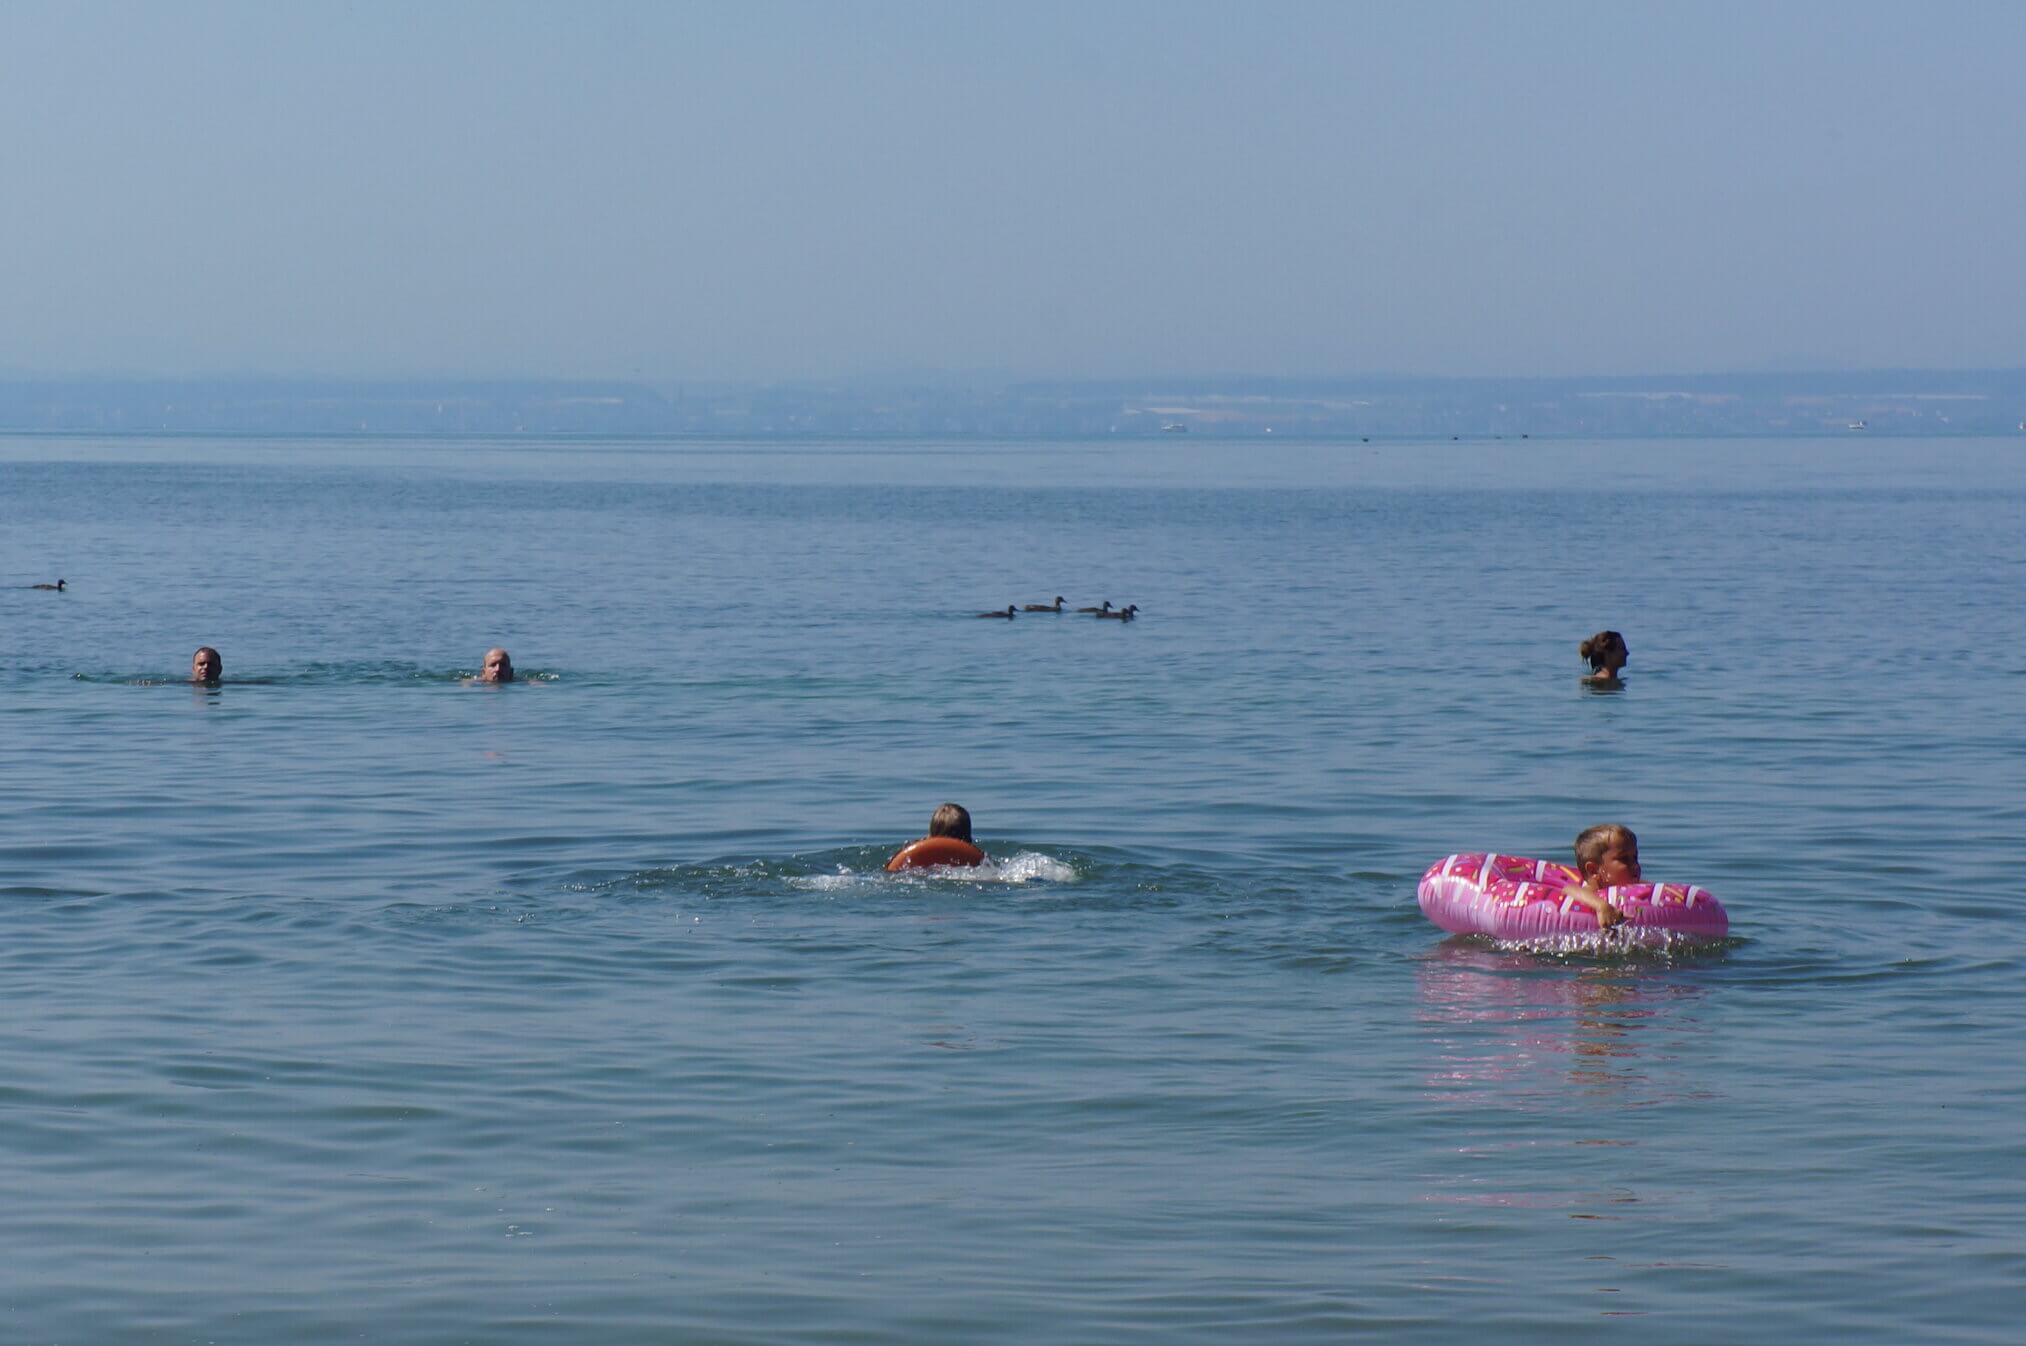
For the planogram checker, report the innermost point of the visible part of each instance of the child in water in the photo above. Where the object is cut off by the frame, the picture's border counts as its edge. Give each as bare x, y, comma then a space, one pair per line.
951, 822
1607, 654
1606, 855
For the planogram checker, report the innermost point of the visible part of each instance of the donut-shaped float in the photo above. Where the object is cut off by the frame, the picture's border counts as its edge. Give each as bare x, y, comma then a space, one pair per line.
930, 852
1512, 897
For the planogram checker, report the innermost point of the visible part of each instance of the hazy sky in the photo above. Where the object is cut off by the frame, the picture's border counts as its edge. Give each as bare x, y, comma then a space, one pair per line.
777, 191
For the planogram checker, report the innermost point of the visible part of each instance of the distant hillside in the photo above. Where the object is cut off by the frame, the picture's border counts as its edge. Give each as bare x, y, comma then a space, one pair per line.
1888, 402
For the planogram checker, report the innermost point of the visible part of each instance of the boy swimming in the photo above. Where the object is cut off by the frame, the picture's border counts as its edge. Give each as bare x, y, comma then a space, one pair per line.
948, 842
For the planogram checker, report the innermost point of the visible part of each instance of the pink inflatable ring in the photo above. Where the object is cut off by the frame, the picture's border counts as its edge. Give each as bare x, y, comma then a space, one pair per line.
1511, 897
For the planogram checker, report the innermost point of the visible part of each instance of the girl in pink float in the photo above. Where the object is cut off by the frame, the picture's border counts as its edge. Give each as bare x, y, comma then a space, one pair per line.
1510, 897
1607, 855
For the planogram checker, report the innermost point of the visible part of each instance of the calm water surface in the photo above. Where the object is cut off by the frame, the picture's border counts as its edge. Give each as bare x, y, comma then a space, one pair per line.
350, 1003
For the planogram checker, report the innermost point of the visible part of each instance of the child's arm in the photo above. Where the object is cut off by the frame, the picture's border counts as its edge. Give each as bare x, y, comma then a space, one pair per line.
1607, 915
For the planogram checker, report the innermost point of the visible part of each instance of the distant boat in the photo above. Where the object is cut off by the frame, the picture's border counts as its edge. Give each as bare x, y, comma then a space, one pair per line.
1174, 428
1857, 425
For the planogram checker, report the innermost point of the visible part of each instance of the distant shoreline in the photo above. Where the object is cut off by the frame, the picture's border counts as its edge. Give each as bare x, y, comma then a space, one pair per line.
856, 440
1894, 403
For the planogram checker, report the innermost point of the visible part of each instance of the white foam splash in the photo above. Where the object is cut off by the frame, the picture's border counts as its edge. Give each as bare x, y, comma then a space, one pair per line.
1620, 940
831, 883
1029, 867
1026, 867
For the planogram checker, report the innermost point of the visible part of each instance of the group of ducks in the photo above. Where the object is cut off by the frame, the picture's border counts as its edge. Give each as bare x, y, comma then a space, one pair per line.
1108, 612
1105, 613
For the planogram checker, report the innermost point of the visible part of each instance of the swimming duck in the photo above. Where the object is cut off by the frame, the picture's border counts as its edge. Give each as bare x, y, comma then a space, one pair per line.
1007, 614
1101, 611
1056, 606
57, 587
1124, 614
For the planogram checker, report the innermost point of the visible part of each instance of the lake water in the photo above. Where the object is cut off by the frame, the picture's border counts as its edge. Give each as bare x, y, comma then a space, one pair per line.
351, 1003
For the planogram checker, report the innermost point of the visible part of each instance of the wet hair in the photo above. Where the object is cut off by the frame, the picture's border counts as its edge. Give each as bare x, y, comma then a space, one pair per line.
951, 820
1592, 842
1599, 648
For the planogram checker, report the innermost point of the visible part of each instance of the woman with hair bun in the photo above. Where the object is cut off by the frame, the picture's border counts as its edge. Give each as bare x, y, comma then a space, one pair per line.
1607, 654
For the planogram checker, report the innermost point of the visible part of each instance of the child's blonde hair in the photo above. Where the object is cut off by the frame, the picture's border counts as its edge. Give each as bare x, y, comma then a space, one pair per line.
951, 820
1592, 842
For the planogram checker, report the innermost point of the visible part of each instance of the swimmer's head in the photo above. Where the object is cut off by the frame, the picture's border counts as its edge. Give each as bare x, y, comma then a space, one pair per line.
206, 665
951, 820
499, 666
1606, 652
1608, 854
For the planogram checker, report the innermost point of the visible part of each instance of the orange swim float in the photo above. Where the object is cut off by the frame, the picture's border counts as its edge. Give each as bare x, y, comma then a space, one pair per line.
932, 851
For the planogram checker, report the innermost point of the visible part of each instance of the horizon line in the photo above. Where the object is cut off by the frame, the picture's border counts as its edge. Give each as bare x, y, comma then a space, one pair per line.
998, 378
